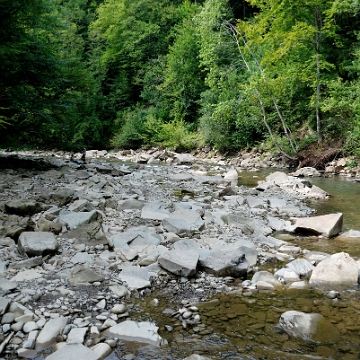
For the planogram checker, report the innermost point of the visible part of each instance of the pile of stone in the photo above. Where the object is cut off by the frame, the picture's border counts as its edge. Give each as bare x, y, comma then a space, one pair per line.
78, 241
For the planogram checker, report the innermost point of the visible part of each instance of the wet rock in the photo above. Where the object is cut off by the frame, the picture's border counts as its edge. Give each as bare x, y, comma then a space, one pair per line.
326, 225
339, 269
37, 243
349, 235
137, 331
23, 208
309, 327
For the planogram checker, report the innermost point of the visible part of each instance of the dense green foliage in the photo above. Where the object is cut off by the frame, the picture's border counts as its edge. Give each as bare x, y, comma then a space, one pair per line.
179, 73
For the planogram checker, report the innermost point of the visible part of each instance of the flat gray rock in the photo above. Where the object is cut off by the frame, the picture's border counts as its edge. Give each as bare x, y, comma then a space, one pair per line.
135, 277
156, 210
132, 204
227, 262
76, 219
136, 236
145, 332
73, 352
80, 275
23, 208
6, 285
49, 333
4, 305
183, 222
37, 243
179, 262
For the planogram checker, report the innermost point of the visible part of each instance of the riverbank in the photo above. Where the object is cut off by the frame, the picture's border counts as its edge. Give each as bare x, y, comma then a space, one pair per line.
112, 233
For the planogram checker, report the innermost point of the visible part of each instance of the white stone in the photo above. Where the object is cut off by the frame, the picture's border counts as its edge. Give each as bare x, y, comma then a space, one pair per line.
339, 268
102, 350
137, 331
48, 334
73, 352
30, 326
76, 335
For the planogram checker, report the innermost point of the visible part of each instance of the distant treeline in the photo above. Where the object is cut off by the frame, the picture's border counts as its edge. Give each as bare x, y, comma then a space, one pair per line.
230, 74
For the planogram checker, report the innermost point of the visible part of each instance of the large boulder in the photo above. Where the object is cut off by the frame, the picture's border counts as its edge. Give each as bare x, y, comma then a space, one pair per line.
37, 243
309, 327
226, 262
183, 222
327, 225
338, 269
179, 262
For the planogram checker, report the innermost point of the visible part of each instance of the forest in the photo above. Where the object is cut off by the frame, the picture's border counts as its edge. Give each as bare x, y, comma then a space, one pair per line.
180, 74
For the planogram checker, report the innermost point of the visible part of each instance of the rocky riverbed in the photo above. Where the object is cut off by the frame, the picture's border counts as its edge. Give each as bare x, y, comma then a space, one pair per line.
80, 241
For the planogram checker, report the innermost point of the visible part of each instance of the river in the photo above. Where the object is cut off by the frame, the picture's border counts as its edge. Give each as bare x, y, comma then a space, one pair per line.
245, 327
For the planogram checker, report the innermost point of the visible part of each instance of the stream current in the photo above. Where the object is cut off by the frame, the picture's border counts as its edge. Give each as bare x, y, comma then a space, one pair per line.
246, 327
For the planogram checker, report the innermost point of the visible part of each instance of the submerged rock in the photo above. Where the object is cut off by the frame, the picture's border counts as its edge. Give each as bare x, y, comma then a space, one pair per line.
310, 327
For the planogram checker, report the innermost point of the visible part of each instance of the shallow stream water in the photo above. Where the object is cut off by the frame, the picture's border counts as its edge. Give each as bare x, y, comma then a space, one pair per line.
245, 327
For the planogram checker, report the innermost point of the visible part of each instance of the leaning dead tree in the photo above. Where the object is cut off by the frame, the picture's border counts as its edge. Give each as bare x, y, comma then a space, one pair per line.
235, 34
